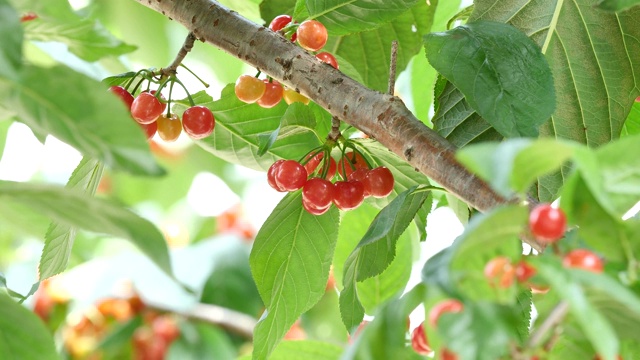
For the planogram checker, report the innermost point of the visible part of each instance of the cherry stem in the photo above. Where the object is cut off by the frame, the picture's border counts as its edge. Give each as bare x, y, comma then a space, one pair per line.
392, 67
196, 76
184, 50
170, 94
554, 319
187, 91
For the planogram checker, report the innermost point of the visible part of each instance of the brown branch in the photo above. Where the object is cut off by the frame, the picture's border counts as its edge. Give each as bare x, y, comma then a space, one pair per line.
392, 68
184, 50
384, 117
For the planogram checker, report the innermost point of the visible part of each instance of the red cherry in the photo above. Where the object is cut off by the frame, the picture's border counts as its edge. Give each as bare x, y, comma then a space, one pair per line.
28, 17
149, 129
359, 175
524, 271
272, 94
279, 22
249, 89
500, 272
348, 195
162, 100
123, 94
312, 35
419, 340
165, 328
290, 175
314, 162
448, 355
145, 108
547, 223
379, 182
328, 58
198, 122
318, 192
445, 306
271, 175
583, 259
349, 162
312, 209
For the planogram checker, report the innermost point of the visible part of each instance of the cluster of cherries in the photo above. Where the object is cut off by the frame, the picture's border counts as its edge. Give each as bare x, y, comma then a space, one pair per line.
314, 174
148, 110
310, 35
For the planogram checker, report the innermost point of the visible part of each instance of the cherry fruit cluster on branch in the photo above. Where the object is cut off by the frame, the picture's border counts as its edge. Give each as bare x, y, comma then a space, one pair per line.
311, 35
152, 111
314, 175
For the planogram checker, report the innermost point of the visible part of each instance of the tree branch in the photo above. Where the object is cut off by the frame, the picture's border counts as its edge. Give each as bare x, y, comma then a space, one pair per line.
383, 117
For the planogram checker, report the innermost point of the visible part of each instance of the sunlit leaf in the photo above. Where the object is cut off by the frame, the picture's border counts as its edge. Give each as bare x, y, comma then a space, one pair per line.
11, 44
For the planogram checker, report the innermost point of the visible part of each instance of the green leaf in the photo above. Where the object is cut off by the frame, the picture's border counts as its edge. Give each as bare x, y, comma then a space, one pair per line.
632, 124
58, 240
24, 336
298, 118
377, 249
83, 115
304, 349
72, 208
383, 338
592, 322
595, 81
460, 268
358, 49
482, 331
269, 9
120, 335
501, 72
514, 165
343, 17
617, 5
11, 45
201, 341
86, 38
290, 262
238, 125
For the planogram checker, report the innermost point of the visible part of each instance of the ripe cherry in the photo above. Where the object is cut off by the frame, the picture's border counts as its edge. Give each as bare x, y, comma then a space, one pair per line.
349, 162
348, 195
169, 128
312, 35
279, 22
312, 209
360, 175
445, 306
318, 193
271, 175
249, 89
328, 58
419, 340
123, 94
272, 94
583, 259
198, 122
379, 182
145, 108
314, 162
524, 271
547, 223
448, 355
290, 175
149, 129
290, 96
500, 272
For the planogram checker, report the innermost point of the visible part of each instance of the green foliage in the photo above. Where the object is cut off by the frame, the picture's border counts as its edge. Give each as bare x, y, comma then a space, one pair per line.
617, 5
11, 51
309, 349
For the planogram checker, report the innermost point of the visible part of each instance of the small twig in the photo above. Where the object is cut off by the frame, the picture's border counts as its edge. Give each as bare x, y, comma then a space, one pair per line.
335, 129
556, 316
184, 50
392, 67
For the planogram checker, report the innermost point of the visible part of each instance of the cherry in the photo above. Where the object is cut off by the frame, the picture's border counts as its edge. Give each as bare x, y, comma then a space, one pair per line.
524, 271
445, 306
318, 193
123, 94
272, 94
28, 17
500, 272
198, 122
290, 175
448, 355
312, 209
547, 223
145, 108
379, 182
583, 259
149, 129
313, 163
350, 162
312, 35
163, 101
348, 195
279, 22
328, 58
249, 89
359, 175
169, 128
290, 96
271, 175
419, 340
165, 328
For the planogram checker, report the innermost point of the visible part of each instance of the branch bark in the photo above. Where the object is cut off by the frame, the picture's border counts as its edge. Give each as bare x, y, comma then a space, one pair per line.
381, 116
